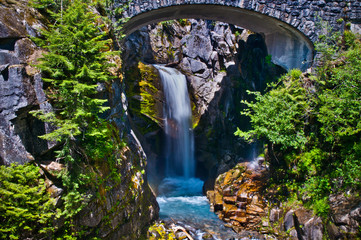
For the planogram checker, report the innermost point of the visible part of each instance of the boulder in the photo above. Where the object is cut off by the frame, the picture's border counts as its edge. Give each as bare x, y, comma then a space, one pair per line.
218, 202
242, 205
288, 221
313, 229
255, 210
275, 214
197, 46
197, 66
11, 148
55, 191
24, 48
229, 210
8, 57
345, 213
333, 231
53, 168
11, 25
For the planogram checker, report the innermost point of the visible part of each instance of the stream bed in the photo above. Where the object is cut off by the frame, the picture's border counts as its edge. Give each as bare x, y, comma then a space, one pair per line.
181, 202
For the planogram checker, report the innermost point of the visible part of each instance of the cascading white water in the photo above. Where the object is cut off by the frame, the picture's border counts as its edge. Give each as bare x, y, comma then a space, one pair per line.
180, 192
177, 123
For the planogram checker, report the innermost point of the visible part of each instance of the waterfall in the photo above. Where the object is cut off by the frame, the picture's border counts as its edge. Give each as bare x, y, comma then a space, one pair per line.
180, 193
179, 147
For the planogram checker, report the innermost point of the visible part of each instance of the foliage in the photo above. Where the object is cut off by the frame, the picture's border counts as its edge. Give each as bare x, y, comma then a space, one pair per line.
282, 110
167, 24
49, 7
183, 22
75, 68
26, 210
312, 123
76, 61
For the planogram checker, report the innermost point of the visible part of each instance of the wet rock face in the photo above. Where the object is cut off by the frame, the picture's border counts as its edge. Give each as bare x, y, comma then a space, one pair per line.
20, 86
218, 82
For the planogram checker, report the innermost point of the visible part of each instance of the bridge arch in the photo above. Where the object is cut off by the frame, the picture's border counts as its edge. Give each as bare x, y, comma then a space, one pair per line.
288, 25
288, 46
289, 36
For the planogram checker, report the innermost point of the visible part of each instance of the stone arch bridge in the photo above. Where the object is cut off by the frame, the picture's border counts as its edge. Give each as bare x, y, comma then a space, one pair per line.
289, 26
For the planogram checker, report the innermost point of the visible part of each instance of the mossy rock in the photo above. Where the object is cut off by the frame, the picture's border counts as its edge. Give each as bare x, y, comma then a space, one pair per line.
196, 116
151, 93
144, 90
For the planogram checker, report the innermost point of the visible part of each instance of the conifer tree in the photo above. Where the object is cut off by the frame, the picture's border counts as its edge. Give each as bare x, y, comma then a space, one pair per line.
76, 64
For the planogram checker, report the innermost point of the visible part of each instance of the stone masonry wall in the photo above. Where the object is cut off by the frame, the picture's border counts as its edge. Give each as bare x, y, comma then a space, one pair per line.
300, 14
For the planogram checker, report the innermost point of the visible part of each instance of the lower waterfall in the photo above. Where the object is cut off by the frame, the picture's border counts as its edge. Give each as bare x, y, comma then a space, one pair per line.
177, 124
180, 193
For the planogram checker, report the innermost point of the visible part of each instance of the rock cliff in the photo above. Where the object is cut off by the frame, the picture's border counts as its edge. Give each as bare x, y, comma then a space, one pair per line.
115, 209
21, 86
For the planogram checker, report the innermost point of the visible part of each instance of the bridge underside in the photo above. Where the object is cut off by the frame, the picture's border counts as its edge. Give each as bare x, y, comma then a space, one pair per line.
288, 47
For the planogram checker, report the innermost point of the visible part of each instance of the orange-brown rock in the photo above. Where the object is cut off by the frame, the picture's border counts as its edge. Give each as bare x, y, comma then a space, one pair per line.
236, 223
237, 197
236, 173
229, 191
241, 205
228, 178
240, 213
255, 210
230, 199
211, 195
229, 210
242, 196
218, 202
254, 220
303, 215
239, 219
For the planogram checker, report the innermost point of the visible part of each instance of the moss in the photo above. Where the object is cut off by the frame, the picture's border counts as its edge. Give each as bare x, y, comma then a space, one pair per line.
159, 231
148, 91
184, 22
196, 116
209, 132
145, 96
